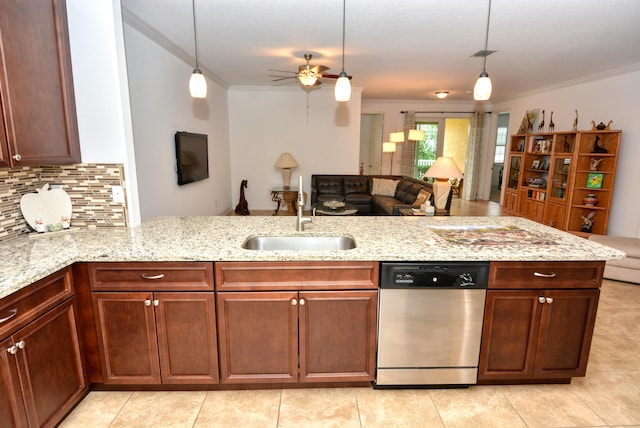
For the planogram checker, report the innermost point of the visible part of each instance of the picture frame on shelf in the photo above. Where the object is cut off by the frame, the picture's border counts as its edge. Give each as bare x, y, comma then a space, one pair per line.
535, 164
594, 180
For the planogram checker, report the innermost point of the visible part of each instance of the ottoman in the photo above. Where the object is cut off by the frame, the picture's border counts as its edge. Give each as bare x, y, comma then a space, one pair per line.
626, 269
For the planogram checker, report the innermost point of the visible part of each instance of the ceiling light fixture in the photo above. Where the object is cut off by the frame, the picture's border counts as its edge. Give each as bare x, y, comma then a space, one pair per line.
343, 85
442, 94
482, 89
197, 82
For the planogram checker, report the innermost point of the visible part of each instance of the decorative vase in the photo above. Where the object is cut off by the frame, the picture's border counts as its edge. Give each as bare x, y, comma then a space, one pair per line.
590, 200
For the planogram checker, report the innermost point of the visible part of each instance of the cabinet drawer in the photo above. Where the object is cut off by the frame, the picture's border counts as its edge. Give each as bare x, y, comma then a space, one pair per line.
161, 276
21, 307
237, 276
546, 274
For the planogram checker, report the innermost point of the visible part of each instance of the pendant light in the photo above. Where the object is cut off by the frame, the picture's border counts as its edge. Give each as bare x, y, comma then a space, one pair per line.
482, 89
343, 84
197, 82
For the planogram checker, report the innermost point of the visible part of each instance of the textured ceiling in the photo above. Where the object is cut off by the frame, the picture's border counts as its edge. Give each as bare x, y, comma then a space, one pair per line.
405, 49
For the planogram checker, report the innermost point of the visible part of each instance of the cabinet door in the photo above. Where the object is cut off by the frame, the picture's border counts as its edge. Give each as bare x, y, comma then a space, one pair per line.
510, 203
509, 335
12, 411
554, 215
50, 366
186, 327
36, 84
337, 336
566, 328
258, 337
127, 337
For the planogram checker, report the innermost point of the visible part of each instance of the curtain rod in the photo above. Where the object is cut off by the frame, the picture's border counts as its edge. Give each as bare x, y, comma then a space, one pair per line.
443, 112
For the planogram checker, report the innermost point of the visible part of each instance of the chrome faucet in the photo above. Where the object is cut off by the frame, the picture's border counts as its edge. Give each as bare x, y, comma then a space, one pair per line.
301, 220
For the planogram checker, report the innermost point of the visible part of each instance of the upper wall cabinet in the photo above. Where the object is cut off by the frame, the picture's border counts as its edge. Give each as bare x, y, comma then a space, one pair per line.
39, 124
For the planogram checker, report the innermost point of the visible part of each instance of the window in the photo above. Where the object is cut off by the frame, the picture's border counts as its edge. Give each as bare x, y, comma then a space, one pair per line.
426, 149
501, 144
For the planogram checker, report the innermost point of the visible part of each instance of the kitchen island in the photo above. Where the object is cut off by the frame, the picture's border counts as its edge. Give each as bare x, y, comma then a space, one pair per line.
179, 303
220, 238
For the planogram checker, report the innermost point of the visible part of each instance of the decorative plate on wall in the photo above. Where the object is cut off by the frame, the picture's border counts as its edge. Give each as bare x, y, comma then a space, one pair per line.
49, 207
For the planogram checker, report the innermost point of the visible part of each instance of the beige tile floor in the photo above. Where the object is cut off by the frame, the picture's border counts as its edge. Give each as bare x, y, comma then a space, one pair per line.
608, 396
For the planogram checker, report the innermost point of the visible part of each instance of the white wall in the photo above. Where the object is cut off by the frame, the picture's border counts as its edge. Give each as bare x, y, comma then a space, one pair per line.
265, 122
101, 93
160, 106
610, 98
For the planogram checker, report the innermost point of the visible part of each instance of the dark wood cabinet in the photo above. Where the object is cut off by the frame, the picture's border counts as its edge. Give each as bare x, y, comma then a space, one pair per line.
41, 368
153, 337
36, 85
286, 334
538, 333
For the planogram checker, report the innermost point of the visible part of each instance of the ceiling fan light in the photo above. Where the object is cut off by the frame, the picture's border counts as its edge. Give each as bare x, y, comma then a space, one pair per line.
482, 89
198, 84
307, 79
343, 87
442, 94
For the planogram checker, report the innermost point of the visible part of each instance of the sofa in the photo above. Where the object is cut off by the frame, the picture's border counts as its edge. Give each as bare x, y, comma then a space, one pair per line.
364, 192
626, 269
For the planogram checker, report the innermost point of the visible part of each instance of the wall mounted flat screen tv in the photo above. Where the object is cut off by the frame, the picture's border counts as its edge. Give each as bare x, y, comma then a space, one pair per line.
192, 154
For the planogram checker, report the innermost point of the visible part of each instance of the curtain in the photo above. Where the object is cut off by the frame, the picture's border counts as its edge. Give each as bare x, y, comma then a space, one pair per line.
408, 148
472, 168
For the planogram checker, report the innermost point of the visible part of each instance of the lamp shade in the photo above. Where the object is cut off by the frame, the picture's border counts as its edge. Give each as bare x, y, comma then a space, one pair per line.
307, 78
388, 147
286, 161
197, 84
416, 135
343, 87
396, 137
444, 167
482, 89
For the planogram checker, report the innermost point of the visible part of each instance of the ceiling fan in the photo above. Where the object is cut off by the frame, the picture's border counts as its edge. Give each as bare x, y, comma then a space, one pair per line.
308, 75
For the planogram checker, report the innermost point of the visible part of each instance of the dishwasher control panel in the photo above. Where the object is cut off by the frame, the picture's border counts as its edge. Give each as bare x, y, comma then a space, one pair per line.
434, 275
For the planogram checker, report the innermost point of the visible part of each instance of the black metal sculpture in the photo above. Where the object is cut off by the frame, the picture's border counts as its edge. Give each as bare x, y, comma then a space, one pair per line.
597, 148
243, 206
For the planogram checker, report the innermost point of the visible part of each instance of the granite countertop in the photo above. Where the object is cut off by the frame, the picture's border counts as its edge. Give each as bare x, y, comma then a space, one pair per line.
219, 238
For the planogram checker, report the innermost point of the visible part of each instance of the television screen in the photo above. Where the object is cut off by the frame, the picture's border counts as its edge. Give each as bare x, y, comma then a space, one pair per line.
192, 156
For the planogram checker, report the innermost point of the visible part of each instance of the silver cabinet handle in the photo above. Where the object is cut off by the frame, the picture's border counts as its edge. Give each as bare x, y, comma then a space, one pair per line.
21, 344
151, 277
544, 275
17, 157
549, 300
156, 302
294, 302
13, 350
541, 299
302, 302
12, 313
147, 302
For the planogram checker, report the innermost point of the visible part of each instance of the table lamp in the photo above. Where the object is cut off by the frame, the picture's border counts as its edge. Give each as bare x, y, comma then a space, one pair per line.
286, 162
442, 170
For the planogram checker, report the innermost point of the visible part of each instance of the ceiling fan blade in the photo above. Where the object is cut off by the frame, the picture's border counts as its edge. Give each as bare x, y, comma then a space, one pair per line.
282, 78
318, 69
333, 76
283, 71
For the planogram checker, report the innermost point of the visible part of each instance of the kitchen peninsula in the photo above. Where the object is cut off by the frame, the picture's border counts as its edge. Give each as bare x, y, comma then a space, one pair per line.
126, 301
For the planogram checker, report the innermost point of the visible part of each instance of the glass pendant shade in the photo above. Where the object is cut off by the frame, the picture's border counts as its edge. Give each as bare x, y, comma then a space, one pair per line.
307, 79
343, 88
482, 89
197, 84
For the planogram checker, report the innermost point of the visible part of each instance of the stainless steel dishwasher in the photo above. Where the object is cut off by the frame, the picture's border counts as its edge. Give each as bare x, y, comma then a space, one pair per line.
430, 323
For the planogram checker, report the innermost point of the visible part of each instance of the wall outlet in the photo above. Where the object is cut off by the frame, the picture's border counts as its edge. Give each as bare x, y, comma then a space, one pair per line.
117, 193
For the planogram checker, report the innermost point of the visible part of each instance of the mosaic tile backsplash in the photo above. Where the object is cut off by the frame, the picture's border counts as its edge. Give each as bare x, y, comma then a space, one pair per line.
88, 185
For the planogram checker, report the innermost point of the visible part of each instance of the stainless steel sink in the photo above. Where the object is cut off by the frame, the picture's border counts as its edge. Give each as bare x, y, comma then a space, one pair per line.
299, 243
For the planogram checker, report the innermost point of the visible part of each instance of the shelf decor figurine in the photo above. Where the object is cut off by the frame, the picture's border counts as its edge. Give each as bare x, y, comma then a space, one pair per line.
597, 148
552, 125
587, 222
601, 126
595, 164
575, 122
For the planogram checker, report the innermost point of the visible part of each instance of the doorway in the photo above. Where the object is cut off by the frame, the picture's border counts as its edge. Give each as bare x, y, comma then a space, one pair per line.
371, 144
499, 156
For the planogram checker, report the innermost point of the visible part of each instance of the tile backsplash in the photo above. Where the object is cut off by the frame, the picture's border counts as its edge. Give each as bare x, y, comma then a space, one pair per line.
89, 186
